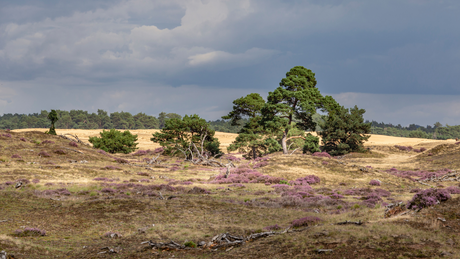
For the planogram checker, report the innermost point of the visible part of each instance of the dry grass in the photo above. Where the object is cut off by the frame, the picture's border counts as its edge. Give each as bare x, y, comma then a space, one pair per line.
83, 217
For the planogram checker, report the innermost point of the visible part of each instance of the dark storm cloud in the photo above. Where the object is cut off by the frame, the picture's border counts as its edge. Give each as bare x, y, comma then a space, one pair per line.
370, 49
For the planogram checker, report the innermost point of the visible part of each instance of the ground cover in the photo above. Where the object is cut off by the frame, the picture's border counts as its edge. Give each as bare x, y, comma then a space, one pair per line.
73, 201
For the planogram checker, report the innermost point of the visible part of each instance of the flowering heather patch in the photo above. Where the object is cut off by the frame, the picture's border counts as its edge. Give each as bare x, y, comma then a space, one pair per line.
245, 175
430, 154
232, 158
144, 180
36, 181
142, 173
303, 222
281, 187
336, 196
415, 190
158, 150
404, 148
262, 158
121, 161
100, 151
321, 154
418, 175
366, 191
368, 166
146, 159
47, 142
272, 228
49, 184
16, 156
103, 179
60, 152
30, 232
141, 153
325, 163
453, 190
260, 164
422, 149
73, 144
108, 190
23, 139
374, 182
174, 168
198, 190
371, 199
237, 185
8, 135
307, 180
9, 183
111, 167
427, 198
62, 191
43, 154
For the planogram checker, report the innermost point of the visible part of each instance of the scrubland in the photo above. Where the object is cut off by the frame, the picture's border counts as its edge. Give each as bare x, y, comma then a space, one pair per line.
79, 202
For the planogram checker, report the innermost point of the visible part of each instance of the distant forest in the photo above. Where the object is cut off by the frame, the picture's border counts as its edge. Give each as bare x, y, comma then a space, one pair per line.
78, 119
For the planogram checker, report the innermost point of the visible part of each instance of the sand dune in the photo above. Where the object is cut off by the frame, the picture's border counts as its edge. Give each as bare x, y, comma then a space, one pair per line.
226, 139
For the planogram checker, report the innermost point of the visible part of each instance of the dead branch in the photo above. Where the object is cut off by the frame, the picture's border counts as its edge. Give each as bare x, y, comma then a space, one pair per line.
74, 150
295, 137
154, 160
294, 151
75, 139
346, 222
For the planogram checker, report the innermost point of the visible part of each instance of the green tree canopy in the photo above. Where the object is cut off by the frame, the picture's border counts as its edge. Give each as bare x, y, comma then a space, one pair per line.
114, 141
53, 117
191, 135
344, 131
293, 104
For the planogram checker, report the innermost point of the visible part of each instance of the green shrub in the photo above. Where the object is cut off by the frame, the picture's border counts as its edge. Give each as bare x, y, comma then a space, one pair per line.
115, 141
311, 144
190, 244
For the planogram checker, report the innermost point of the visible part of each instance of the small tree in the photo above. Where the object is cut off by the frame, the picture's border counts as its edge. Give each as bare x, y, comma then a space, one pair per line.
252, 139
53, 117
311, 144
344, 131
293, 104
191, 135
115, 141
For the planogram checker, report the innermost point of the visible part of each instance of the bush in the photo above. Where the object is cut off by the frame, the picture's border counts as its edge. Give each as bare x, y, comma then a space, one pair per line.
303, 222
427, 198
374, 182
190, 244
115, 141
16, 156
43, 154
30, 232
311, 144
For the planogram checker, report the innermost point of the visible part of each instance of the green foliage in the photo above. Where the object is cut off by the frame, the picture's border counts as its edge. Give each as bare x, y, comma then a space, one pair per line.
187, 135
190, 244
344, 131
53, 117
163, 117
293, 104
311, 144
114, 141
418, 134
250, 106
284, 182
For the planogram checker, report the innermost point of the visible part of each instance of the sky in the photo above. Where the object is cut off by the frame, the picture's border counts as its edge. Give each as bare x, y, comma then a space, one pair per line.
397, 59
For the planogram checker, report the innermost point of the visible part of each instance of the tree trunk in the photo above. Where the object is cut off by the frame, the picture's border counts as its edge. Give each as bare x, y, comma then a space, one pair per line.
283, 142
254, 152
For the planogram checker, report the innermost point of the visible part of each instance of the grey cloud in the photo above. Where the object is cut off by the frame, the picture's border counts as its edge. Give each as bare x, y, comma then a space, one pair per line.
374, 47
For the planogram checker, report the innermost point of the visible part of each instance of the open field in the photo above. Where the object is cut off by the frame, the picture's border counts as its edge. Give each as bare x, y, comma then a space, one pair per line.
78, 195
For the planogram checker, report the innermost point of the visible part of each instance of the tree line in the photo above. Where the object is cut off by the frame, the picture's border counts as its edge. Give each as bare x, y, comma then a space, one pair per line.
79, 119
437, 131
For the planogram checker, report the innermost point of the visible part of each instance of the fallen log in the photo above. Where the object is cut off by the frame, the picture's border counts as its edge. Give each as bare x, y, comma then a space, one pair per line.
75, 139
346, 222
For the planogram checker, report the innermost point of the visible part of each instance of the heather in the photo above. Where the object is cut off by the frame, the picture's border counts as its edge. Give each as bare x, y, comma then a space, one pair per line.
427, 198
321, 154
418, 175
304, 222
29, 232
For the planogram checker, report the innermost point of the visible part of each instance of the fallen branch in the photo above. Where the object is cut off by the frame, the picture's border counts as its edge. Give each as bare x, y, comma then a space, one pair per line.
73, 150
75, 139
294, 151
346, 222
225, 240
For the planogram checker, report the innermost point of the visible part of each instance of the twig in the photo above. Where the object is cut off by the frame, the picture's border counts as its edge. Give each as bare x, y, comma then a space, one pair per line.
346, 222
294, 150
161, 196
